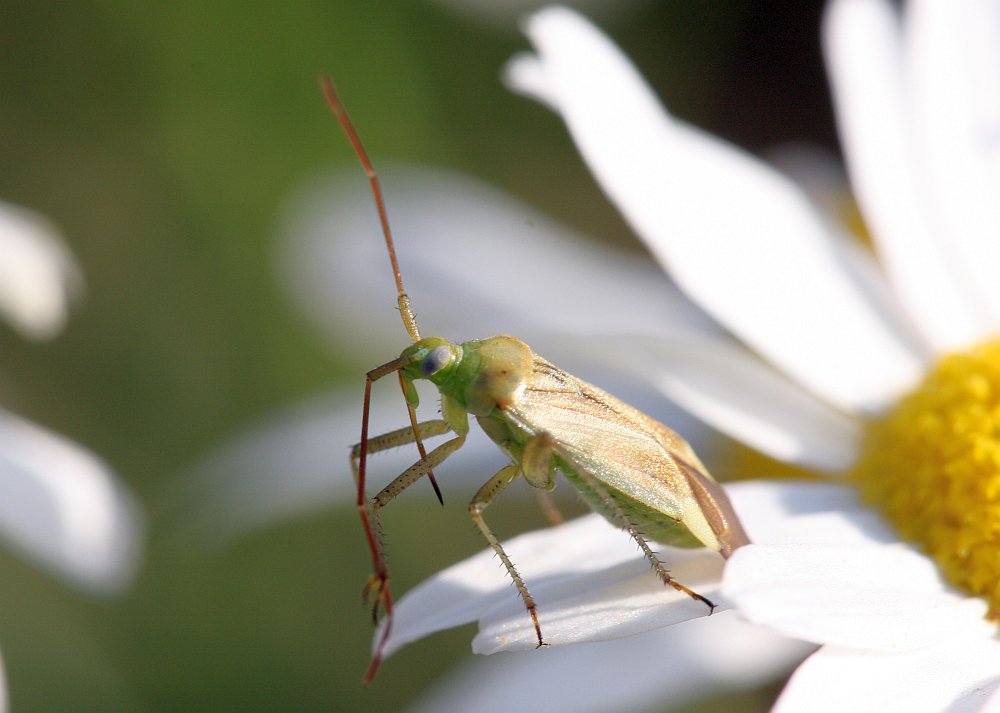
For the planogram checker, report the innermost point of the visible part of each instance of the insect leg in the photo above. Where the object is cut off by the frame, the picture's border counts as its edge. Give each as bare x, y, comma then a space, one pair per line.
543, 446
360, 470
377, 589
548, 507
493, 487
418, 469
537, 466
412, 412
399, 437
654, 561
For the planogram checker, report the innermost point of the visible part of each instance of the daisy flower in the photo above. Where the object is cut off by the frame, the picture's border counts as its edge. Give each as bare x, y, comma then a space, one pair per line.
60, 506
789, 337
886, 372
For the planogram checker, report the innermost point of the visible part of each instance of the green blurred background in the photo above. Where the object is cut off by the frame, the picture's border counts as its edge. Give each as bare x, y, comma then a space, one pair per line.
162, 138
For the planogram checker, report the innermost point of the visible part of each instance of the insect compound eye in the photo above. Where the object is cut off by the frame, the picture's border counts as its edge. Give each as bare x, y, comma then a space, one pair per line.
435, 361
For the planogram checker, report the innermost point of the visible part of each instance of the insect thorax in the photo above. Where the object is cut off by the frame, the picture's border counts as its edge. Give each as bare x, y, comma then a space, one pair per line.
480, 375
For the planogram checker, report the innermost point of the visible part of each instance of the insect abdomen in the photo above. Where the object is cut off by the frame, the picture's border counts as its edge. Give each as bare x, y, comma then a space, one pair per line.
650, 522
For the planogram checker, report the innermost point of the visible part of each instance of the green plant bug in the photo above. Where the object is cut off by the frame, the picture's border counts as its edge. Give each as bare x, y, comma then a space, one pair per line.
633, 470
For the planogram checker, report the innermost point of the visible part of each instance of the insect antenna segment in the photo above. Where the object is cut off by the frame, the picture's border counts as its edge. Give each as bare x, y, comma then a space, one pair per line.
405, 309
337, 106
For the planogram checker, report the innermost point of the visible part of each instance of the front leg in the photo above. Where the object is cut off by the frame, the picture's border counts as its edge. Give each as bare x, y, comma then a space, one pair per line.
377, 590
378, 582
399, 437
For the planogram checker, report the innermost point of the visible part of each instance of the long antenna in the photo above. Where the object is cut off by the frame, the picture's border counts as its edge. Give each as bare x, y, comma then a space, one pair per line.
337, 106
405, 310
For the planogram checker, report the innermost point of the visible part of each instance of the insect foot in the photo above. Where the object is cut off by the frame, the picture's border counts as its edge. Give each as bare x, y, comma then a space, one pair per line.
376, 594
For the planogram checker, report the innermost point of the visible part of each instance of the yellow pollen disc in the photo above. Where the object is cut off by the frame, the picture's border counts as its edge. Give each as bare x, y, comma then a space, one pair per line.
933, 466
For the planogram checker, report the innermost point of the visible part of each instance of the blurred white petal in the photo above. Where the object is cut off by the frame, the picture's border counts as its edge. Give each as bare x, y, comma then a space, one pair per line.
864, 58
659, 670
730, 389
958, 676
296, 462
884, 598
64, 508
524, 74
38, 275
823, 178
737, 236
953, 49
818, 173
476, 262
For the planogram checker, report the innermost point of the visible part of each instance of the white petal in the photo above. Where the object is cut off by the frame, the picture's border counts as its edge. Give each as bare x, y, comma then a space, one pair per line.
733, 391
958, 676
475, 262
64, 508
884, 598
954, 52
591, 584
623, 600
992, 704
818, 173
862, 46
822, 176
38, 275
296, 462
737, 237
524, 74
659, 670
796, 512
562, 567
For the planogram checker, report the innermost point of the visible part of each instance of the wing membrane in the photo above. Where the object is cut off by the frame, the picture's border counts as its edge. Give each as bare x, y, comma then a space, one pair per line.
609, 439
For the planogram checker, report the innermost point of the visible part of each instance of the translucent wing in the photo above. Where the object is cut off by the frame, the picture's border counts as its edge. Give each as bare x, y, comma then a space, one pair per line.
627, 451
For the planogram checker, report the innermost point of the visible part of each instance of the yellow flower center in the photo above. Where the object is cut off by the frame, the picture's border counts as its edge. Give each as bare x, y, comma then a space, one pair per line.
933, 466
